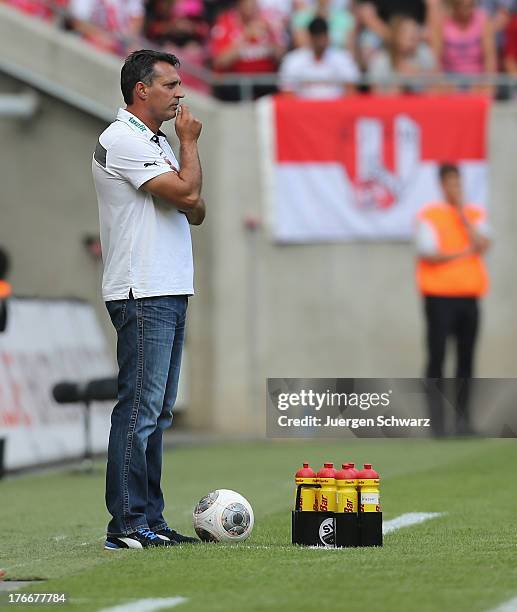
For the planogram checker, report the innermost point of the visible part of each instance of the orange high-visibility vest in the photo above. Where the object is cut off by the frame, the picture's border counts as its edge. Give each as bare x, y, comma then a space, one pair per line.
462, 277
5, 290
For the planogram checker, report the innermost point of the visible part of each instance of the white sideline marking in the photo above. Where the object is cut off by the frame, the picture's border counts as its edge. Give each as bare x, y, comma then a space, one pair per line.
406, 520
507, 606
147, 605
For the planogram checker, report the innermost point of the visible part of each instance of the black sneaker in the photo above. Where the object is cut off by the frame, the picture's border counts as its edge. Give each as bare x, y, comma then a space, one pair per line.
142, 538
174, 537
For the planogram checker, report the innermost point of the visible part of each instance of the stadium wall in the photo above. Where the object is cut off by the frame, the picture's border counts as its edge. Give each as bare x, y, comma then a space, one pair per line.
261, 309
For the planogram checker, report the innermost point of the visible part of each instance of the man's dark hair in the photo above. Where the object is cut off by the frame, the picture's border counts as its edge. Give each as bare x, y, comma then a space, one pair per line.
4, 264
446, 169
139, 66
318, 26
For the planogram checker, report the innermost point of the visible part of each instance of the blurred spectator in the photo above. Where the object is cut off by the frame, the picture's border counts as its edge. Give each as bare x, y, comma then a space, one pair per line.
37, 8
341, 24
499, 12
510, 46
5, 288
405, 55
318, 71
243, 40
284, 7
181, 27
280, 11
374, 16
465, 42
111, 25
214, 7
180, 22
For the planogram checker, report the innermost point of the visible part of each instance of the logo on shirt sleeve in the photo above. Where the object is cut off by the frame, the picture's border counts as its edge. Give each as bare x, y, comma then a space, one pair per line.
147, 164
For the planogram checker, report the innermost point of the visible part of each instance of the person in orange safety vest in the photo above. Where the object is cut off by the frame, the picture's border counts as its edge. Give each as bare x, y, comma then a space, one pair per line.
452, 238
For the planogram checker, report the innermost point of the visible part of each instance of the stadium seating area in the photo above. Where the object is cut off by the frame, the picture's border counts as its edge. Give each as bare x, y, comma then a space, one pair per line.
384, 41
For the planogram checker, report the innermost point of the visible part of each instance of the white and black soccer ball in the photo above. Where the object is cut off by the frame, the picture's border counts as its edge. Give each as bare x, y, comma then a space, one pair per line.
223, 516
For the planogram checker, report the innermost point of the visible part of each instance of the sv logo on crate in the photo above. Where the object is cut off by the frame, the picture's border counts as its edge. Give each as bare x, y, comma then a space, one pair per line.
326, 532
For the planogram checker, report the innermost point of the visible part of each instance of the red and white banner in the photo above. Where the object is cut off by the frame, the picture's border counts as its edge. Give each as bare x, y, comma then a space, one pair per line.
361, 167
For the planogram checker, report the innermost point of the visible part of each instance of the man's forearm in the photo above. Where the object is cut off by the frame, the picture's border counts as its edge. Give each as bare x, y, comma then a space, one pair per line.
196, 216
190, 168
439, 258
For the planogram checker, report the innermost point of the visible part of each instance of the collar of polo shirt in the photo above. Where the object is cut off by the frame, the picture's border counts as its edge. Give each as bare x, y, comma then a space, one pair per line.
136, 125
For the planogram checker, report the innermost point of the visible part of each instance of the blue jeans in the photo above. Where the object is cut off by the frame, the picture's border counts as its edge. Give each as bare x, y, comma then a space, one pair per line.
150, 334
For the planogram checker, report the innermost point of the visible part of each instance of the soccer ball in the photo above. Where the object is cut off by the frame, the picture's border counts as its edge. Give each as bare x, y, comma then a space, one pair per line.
223, 516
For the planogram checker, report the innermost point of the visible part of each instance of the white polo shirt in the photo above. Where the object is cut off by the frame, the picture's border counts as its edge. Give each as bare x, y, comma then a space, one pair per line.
146, 245
325, 78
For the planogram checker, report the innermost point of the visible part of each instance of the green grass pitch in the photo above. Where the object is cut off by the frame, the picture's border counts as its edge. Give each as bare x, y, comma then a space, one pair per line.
52, 528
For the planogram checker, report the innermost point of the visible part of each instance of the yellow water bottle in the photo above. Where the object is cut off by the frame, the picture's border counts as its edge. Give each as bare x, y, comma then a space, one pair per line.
369, 489
326, 495
370, 515
346, 500
306, 476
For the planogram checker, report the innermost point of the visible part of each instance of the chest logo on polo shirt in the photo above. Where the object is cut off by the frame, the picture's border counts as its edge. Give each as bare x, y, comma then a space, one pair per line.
147, 164
139, 125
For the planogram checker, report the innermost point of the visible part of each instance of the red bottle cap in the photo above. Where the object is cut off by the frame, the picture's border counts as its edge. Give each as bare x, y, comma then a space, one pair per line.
368, 472
353, 472
327, 471
346, 473
340, 475
305, 472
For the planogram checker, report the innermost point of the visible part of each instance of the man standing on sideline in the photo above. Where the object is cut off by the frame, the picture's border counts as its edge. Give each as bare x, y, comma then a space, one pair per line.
451, 239
146, 202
